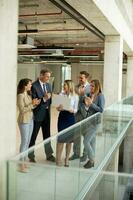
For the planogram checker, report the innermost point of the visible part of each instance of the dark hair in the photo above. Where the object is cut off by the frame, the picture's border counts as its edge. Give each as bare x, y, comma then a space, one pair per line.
85, 73
21, 85
44, 71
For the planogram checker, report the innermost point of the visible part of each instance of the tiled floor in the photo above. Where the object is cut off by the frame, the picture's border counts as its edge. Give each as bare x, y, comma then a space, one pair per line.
49, 183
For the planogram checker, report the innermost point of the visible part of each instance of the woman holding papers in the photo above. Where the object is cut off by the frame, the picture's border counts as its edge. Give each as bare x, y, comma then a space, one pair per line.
66, 118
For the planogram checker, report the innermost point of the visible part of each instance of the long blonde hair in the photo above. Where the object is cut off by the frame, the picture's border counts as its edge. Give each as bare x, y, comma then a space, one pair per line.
71, 87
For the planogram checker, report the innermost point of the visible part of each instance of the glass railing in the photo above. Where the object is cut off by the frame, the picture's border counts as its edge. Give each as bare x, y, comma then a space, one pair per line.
112, 186
45, 180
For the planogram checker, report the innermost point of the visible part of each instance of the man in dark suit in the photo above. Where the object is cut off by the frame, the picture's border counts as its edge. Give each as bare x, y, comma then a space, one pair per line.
41, 89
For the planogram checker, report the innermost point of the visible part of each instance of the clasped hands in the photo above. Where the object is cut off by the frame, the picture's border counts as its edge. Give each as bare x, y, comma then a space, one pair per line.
88, 101
36, 101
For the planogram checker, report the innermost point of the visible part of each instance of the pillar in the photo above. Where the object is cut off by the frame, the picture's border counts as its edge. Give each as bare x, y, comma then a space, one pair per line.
113, 55
129, 83
8, 74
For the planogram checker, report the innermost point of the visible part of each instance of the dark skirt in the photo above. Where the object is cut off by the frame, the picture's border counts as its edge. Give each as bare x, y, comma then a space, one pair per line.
65, 120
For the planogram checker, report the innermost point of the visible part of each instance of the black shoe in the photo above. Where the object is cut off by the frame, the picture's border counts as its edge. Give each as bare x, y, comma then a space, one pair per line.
32, 160
83, 158
89, 164
74, 156
51, 158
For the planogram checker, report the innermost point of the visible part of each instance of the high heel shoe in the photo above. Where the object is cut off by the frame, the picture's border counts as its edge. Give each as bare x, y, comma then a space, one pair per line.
59, 163
66, 162
22, 168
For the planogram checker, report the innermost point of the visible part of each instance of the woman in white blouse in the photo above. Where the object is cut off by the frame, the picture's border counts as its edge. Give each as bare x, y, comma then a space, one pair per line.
66, 118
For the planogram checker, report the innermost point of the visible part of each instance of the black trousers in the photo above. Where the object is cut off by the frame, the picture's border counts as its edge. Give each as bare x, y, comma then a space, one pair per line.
45, 126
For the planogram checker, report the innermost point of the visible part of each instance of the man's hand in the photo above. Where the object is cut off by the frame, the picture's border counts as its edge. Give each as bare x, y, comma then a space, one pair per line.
47, 96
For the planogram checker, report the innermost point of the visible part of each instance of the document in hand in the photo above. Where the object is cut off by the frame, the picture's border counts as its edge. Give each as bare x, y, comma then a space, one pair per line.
63, 100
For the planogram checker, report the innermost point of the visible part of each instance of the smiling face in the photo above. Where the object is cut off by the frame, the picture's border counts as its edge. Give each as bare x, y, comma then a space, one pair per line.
92, 87
28, 86
95, 87
45, 77
82, 79
65, 87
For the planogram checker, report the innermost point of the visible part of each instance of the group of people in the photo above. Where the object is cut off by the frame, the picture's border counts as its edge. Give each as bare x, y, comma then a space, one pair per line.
34, 100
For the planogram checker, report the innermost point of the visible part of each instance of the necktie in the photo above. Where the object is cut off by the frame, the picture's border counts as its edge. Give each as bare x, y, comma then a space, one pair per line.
44, 88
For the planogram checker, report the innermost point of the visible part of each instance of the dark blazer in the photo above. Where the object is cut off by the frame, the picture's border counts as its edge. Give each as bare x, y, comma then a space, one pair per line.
37, 92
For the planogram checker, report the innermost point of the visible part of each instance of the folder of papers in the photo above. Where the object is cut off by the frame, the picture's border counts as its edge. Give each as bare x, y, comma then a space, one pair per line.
63, 100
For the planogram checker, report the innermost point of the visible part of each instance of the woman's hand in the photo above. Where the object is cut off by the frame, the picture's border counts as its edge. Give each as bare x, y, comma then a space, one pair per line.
88, 101
60, 107
36, 101
71, 111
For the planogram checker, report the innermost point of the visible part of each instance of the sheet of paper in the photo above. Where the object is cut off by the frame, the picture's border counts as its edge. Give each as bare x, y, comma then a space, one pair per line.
63, 100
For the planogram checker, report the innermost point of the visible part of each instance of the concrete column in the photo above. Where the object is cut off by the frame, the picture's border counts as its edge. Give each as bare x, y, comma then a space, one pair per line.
129, 84
8, 74
113, 69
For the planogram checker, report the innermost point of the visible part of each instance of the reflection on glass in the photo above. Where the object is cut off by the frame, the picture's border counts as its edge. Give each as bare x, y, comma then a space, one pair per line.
45, 179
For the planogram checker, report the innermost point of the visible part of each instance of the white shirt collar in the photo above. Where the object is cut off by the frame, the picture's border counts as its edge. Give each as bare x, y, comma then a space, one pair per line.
87, 83
41, 83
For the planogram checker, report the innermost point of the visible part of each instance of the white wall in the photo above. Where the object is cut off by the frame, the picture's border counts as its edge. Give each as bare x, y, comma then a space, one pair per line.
28, 71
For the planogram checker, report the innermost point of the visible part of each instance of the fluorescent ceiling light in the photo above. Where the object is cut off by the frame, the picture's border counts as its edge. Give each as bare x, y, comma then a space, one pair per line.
92, 62
33, 55
43, 61
52, 49
39, 55
82, 56
25, 46
33, 62
56, 61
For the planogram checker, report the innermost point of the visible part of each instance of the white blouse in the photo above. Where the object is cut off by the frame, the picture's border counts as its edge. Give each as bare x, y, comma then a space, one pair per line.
74, 100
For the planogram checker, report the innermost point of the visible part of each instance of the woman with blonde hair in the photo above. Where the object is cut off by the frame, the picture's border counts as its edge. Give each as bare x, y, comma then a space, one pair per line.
66, 118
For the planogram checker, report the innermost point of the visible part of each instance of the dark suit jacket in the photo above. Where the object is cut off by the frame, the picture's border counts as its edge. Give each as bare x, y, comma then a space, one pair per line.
37, 92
